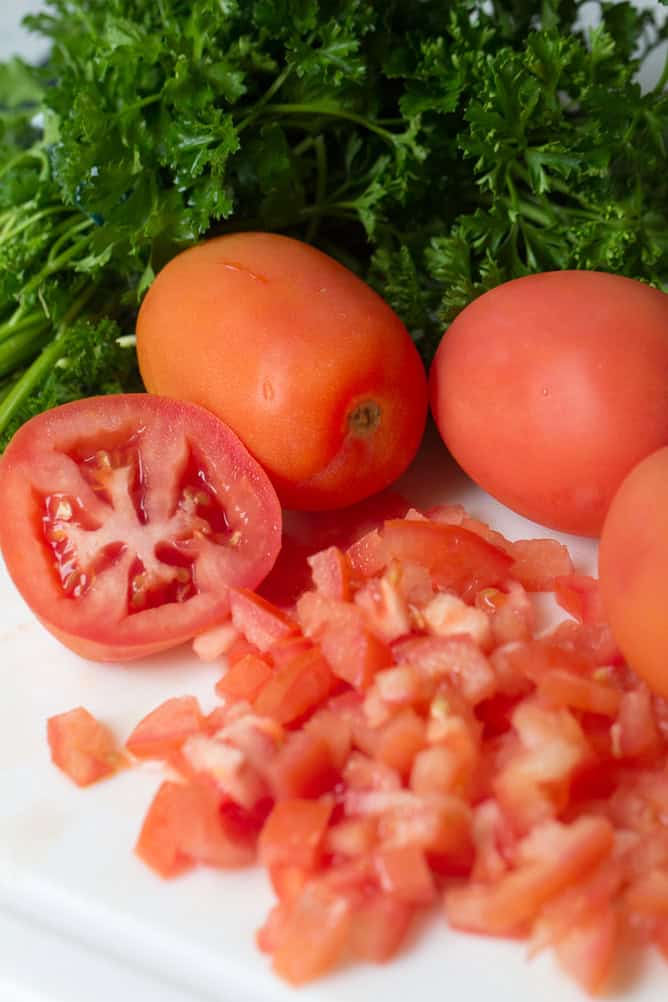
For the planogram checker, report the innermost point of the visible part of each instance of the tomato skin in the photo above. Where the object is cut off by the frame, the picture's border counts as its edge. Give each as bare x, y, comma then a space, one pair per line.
315, 373
633, 557
548, 389
162, 443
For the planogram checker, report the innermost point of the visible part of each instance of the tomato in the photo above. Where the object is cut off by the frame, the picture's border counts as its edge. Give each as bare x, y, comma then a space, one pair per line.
633, 557
164, 729
126, 519
548, 389
82, 747
314, 372
185, 825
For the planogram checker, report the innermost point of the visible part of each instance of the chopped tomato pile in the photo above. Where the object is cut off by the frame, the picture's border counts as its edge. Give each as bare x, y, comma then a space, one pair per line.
400, 738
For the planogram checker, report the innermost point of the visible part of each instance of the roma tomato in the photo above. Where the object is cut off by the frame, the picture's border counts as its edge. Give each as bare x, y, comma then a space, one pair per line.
314, 372
126, 519
549, 389
633, 557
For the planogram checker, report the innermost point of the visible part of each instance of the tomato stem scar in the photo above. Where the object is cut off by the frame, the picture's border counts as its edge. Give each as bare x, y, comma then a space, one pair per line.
365, 418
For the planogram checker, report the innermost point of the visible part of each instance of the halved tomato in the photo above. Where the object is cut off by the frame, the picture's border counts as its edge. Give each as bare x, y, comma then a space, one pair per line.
126, 518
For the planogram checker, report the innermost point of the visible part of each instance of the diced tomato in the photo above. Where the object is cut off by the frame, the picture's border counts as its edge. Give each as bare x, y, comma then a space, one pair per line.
165, 729
638, 735
185, 825
244, 679
398, 741
587, 951
331, 572
261, 622
286, 649
511, 612
379, 926
304, 767
538, 562
457, 558
404, 874
326, 726
580, 596
212, 643
364, 773
239, 648
406, 729
288, 881
367, 555
564, 688
446, 768
82, 747
225, 766
506, 906
293, 833
313, 934
649, 894
354, 653
457, 658
384, 607
534, 784
295, 688
351, 837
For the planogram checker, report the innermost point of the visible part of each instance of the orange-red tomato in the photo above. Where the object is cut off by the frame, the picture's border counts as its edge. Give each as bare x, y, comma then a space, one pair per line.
549, 389
633, 558
315, 373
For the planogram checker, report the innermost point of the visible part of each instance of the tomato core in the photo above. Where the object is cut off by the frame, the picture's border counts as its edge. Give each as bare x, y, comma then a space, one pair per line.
365, 418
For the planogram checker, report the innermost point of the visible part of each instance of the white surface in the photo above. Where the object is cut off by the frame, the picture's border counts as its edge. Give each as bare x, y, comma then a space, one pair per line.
81, 919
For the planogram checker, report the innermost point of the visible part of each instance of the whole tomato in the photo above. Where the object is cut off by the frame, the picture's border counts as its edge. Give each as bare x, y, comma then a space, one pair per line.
550, 388
310, 367
633, 557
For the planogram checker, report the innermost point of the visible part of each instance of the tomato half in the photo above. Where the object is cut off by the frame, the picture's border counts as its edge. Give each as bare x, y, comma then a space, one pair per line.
633, 557
312, 369
126, 519
548, 389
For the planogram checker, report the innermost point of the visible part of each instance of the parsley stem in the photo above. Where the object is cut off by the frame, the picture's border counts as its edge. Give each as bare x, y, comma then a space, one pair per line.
42, 365
333, 111
31, 321
265, 98
31, 220
320, 186
55, 264
21, 347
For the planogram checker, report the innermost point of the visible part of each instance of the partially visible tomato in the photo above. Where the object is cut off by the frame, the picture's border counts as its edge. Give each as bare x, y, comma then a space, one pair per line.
126, 519
315, 373
633, 558
550, 388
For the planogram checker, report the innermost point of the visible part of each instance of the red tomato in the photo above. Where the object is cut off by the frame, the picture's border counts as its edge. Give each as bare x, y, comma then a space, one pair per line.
126, 518
185, 825
633, 557
164, 729
315, 373
549, 389
82, 747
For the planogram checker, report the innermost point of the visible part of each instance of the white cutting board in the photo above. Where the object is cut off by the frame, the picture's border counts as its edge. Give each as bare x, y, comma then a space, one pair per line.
82, 920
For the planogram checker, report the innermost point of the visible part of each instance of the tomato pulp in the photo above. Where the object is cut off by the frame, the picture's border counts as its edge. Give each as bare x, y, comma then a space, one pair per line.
126, 518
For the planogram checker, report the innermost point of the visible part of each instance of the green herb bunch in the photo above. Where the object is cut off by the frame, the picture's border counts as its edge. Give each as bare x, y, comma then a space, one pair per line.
437, 147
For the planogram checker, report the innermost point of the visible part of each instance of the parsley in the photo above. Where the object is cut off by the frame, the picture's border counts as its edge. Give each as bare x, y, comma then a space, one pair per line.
437, 147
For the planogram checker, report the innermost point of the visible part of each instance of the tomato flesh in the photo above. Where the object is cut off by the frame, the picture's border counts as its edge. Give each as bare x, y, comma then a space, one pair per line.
128, 517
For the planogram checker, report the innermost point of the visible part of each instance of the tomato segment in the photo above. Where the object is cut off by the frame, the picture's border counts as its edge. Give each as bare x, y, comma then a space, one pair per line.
128, 517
